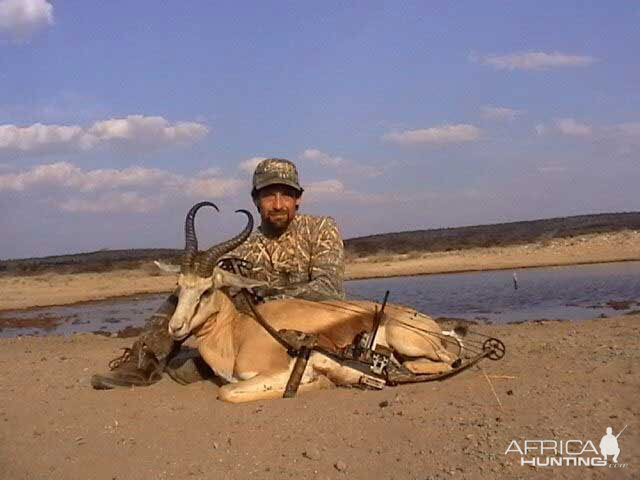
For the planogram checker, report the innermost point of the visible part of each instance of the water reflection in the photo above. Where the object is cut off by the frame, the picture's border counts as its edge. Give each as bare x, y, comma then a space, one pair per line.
553, 293
569, 293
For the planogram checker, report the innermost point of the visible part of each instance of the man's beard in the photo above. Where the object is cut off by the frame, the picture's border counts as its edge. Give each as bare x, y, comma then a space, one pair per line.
278, 222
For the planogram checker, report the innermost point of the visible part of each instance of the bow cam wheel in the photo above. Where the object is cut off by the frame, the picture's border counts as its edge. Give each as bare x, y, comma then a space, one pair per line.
496, 347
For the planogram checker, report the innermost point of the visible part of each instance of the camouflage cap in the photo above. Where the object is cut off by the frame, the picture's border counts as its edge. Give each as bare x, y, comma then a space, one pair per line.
276, 171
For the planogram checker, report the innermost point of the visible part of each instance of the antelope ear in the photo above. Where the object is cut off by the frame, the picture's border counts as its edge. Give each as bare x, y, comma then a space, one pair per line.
222, 278
166, 267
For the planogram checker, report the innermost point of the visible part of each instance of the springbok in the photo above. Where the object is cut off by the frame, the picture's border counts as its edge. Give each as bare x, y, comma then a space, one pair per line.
253, 363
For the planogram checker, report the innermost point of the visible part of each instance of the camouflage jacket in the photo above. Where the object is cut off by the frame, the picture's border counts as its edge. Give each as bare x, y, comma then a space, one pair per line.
306, 261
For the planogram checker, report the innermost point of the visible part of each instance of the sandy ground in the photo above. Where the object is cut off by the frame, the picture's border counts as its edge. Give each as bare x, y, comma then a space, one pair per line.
558, 381
54, 289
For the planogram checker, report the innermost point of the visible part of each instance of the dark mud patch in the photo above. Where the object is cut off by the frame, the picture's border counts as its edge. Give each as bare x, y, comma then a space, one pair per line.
44, 322
616, 305
538, 321
621, 304
101, 332
127, 332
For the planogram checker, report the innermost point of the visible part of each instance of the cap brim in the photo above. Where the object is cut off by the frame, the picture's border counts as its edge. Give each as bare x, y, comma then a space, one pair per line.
278, 181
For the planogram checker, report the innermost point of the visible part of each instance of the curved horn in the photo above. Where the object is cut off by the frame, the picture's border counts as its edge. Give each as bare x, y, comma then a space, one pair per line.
214, 253
191, 241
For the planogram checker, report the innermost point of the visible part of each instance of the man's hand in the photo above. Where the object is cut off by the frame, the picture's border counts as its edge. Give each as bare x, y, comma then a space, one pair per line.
243, 265
267, 291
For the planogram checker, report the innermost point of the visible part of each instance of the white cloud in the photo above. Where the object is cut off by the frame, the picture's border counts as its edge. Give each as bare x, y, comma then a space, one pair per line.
367, 170
537, 61
141, 129
139, 189
322, 158
113, 202
569, 126
133, 130
565, 126
42, 138
249, 165
209, 172
625, 131
20, 19
347, 166
322, 190
376, 198
624, 137
133, 188
67, 175
38, 175
335, 190
212, 187
541, 129
442, 135
324, 187
500, 113
128, 177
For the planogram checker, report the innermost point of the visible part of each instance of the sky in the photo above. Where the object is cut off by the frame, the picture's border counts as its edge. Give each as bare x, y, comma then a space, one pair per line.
116, 117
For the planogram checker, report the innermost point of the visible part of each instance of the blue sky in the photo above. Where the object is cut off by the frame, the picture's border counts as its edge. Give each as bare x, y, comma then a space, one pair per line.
116, 116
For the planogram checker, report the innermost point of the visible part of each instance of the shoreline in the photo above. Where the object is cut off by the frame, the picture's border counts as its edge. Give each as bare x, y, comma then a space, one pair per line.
452, 272
489, 269
26, 292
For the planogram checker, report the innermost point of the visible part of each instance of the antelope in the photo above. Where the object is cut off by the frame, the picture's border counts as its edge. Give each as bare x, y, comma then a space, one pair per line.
254, 364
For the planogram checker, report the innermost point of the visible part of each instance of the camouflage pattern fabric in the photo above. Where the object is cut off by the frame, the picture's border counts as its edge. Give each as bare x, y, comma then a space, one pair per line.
276, 171
306, 261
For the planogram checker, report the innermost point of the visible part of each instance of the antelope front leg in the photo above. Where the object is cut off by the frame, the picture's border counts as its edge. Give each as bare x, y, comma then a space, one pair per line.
264, 387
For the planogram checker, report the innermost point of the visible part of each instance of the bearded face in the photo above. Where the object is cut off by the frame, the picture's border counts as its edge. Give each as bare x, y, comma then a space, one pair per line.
278, 205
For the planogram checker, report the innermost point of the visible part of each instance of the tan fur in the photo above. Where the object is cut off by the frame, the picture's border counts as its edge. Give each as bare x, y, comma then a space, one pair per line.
239, 350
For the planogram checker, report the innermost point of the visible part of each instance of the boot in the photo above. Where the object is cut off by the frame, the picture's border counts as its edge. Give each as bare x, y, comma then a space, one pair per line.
137, 366
142, 364
188, 366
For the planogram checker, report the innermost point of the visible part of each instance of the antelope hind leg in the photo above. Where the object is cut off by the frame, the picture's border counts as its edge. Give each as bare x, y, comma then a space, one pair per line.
424, 365
265, 387
411, 343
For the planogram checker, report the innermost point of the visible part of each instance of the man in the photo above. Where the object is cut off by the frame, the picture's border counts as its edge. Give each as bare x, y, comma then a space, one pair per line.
299, 256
